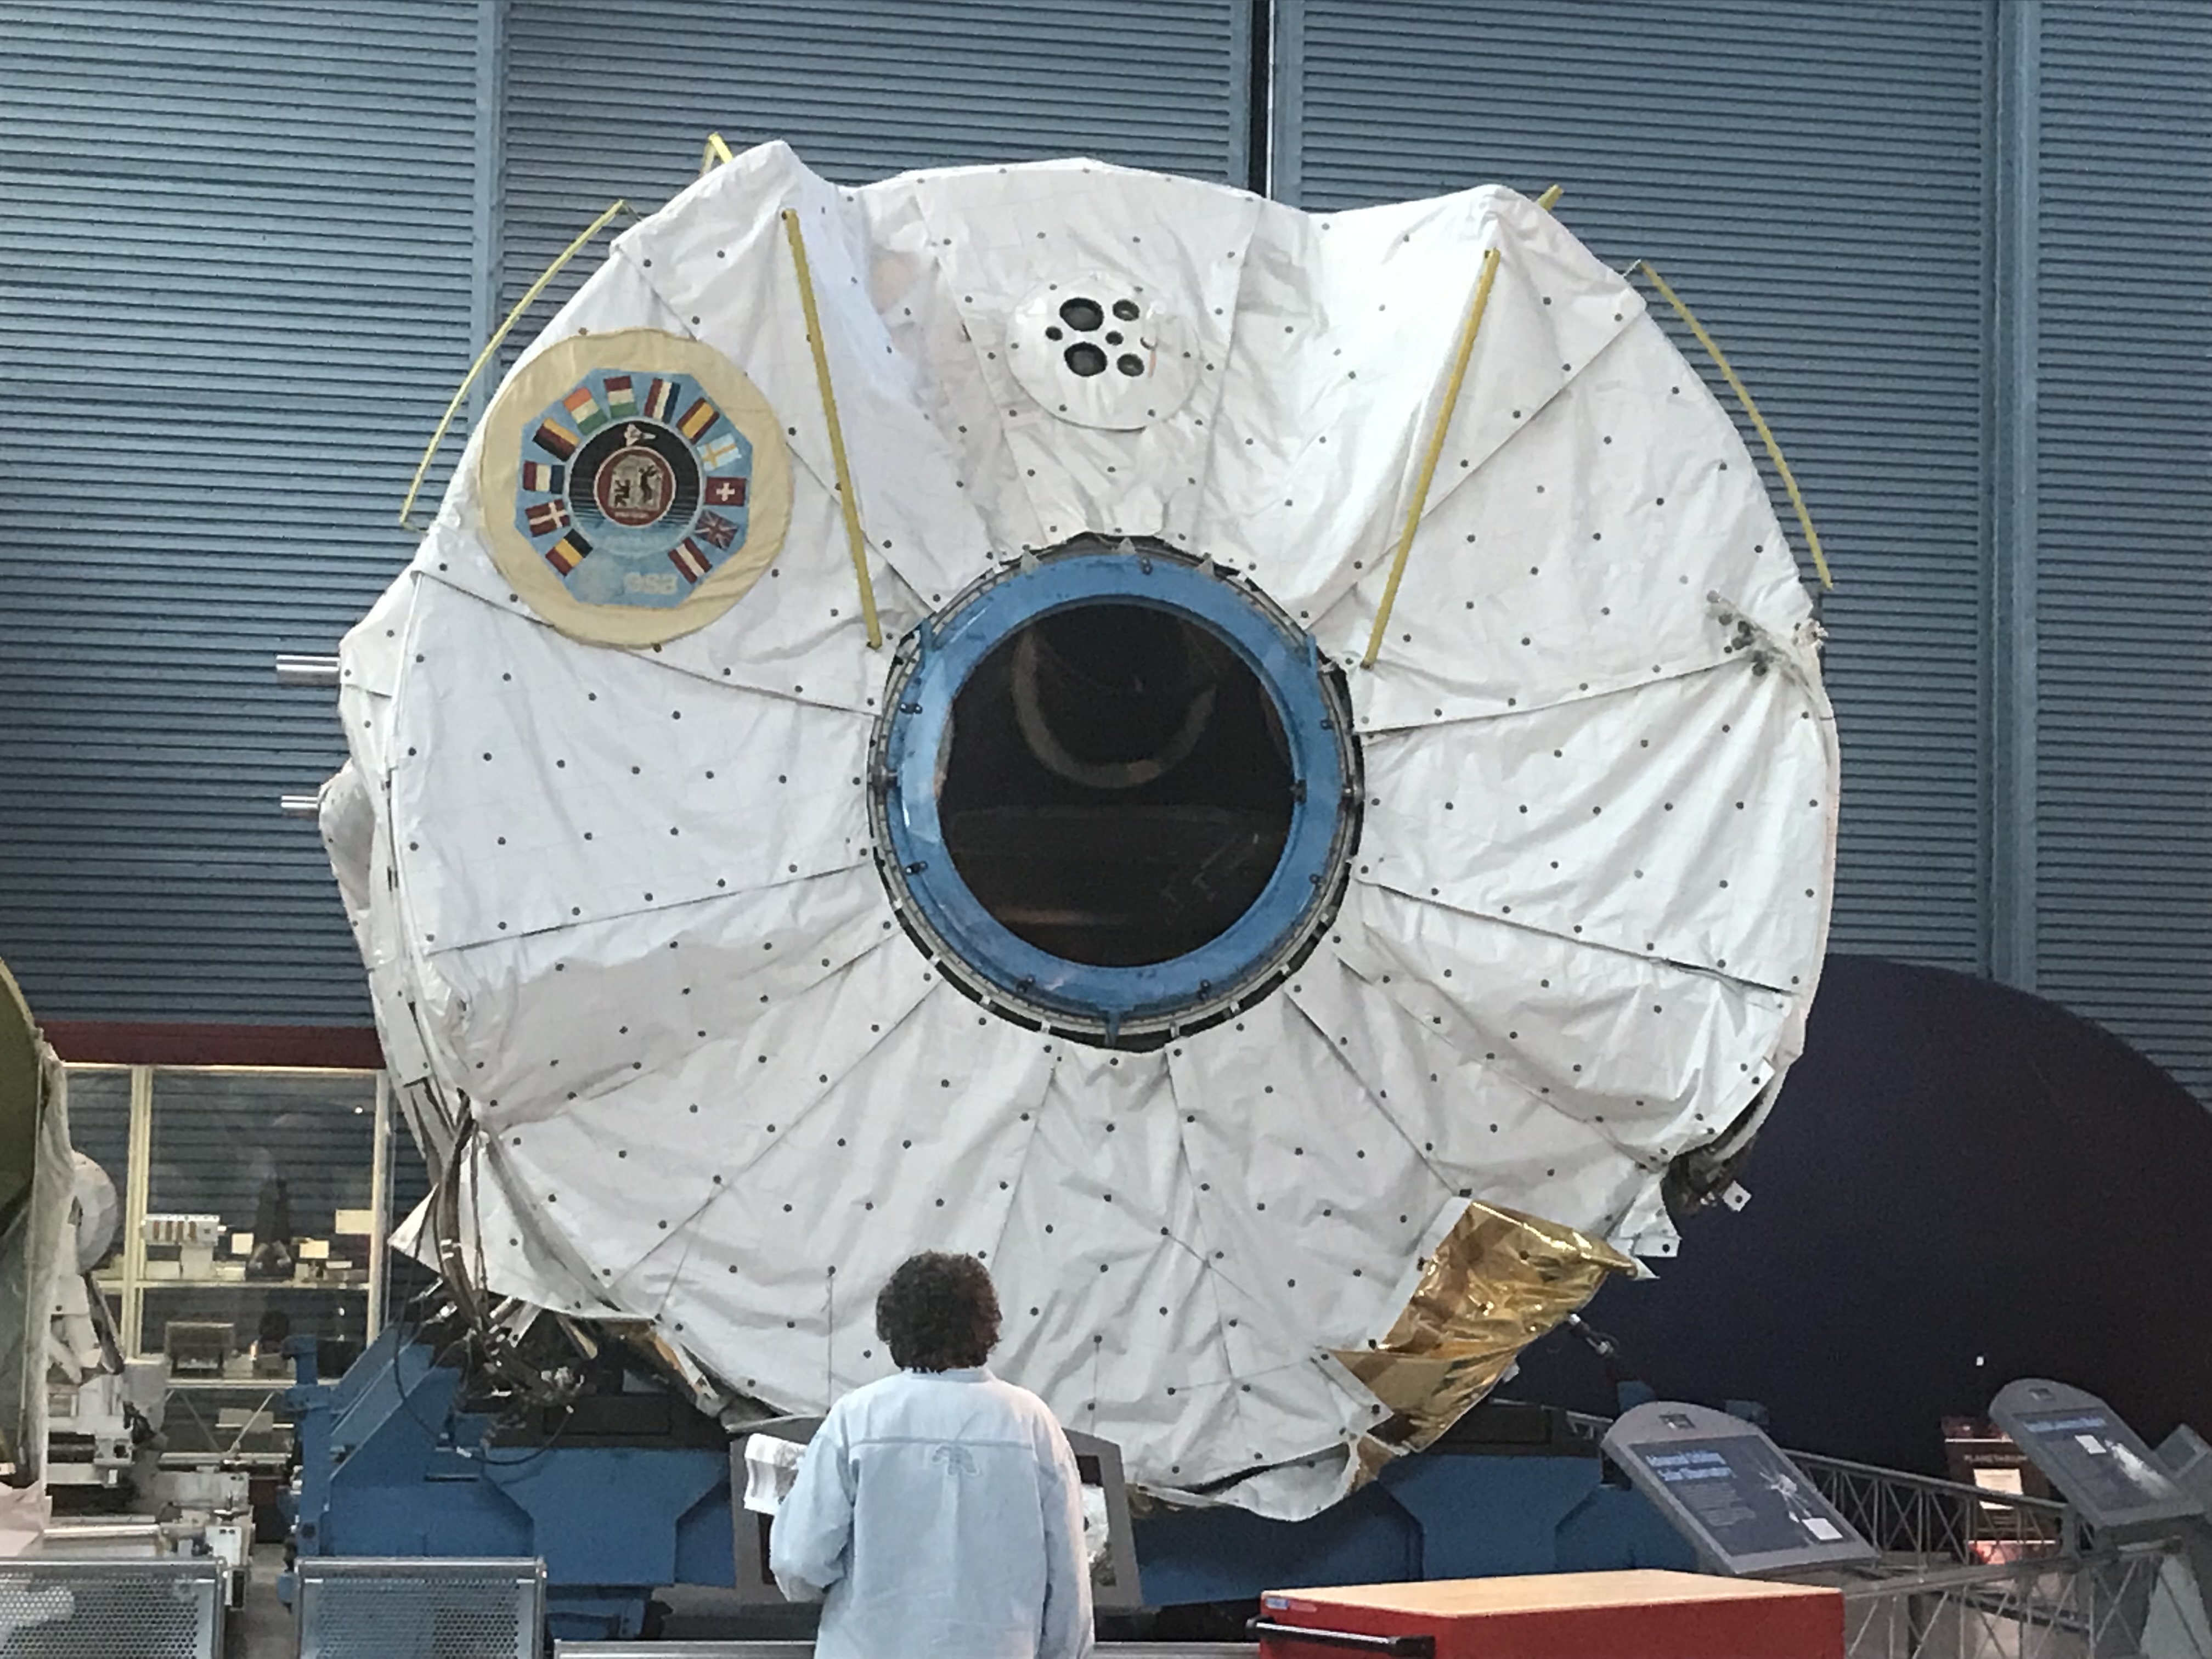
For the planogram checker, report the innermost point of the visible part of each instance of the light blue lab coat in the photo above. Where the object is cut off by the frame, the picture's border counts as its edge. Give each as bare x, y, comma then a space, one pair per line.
940, 1516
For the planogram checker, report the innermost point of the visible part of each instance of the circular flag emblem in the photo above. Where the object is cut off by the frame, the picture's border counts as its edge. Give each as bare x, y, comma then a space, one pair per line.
633, 485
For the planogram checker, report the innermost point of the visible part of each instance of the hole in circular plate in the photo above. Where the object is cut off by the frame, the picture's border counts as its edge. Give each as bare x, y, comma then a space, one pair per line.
1117, 789
1082, 315
1086, 359
1055, 332
1112, 337
1129, 363
1126, 310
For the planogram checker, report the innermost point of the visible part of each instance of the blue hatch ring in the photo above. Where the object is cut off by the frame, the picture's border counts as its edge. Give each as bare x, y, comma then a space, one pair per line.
1116, 1006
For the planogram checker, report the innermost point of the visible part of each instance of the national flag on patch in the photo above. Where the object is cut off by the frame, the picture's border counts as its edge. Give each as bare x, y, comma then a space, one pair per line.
567, 553
726, 492
686, 557
659, 398
723, 452
583, 410
543, 475
697, 418
546, 517
620, 399
714, 527
556, 440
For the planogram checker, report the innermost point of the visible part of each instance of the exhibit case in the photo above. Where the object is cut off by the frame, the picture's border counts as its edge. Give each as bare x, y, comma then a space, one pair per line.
256, 1203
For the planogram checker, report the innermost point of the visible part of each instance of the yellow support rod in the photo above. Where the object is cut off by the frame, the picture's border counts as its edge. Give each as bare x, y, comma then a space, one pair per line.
846, 495
1758, 420
1467, 331
1549, 199
713, 154
446, 422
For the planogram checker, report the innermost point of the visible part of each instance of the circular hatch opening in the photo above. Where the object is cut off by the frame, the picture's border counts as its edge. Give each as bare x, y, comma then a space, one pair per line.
1117, 788
1115, 792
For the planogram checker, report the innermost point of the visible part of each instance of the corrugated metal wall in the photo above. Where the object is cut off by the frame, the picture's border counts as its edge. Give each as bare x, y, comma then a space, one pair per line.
860, 90
235, 274
252, 247
1829, 186
2123, 523
241, 245
1812, 180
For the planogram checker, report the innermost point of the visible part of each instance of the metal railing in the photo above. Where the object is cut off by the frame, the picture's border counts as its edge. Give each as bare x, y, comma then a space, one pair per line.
1918, 1520
2096, 1606
1967, 1572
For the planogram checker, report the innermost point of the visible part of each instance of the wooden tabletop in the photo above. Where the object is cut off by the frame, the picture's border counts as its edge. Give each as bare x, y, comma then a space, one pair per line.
1464, 1598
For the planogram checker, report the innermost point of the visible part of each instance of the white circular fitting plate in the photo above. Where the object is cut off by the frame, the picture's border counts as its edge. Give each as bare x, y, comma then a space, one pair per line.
1101, 351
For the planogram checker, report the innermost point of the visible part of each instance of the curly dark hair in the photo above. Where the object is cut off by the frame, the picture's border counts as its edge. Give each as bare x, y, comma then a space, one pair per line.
938, 1313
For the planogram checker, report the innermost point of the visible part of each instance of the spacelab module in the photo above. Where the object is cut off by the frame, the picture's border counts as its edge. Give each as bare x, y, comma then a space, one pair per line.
1114, 919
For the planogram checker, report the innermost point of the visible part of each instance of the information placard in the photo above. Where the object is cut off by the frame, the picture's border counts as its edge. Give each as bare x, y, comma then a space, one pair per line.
1734, 1494
2094, 1460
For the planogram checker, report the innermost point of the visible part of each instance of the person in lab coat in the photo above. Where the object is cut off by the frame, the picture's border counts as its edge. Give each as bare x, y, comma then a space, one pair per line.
938, 1512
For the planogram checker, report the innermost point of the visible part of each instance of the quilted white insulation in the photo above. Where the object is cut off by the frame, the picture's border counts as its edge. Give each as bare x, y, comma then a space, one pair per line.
619, 904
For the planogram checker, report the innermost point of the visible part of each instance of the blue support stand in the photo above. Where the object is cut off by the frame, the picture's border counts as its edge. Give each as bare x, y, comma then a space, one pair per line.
1440, 1515
389, 1467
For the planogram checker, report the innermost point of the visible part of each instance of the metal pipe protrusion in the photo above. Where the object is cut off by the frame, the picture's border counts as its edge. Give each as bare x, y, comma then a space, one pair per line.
295, 669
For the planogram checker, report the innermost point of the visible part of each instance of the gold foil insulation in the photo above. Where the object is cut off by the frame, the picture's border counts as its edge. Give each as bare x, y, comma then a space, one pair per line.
1497, 1281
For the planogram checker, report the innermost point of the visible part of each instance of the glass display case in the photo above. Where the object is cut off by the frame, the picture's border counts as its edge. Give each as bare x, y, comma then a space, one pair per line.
99, 1127
255, 1205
